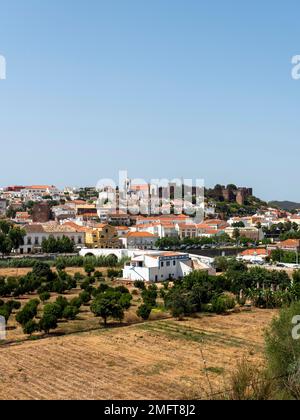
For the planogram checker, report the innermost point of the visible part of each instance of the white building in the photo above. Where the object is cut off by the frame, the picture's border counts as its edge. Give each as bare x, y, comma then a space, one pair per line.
36, 233
158, 267
3, 206
139, 240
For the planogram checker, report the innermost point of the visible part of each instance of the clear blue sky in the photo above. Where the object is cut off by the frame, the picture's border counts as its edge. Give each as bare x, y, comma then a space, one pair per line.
163, 88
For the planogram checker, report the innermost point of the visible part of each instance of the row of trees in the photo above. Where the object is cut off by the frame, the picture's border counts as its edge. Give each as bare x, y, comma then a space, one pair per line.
200, 241
27, 317
62, 245
70, 261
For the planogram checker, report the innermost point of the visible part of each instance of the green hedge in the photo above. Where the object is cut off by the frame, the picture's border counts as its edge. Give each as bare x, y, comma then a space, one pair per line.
75, 261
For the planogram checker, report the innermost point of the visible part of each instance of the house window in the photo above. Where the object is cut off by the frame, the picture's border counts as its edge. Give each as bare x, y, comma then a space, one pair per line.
174, 262
162, 264
29, 241
168, 263
79, 240
36, 241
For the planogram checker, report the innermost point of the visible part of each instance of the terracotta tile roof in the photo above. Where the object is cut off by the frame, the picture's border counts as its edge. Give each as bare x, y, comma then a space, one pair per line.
78, 202
140, 235
184, 226
253, 252
78, 228
290, 243
34, 228
40, 187
50, 227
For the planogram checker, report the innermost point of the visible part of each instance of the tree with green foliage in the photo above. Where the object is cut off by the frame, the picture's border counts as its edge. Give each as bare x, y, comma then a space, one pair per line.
144, 312
85, 297
62, 245
77, 302
44, 296
30, 327
48, 322
89, 267
60, 264
28, 312
179, 303
150, 295
222, 303
70, 312
43, 270
283, 350
220, 264
5, 312
54, 309
16, 236
107, 305
139, 284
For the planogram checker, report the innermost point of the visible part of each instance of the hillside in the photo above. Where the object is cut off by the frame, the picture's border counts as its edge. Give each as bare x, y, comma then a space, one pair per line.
285, 205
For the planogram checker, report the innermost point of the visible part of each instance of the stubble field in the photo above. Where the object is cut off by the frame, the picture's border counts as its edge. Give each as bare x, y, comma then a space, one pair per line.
159, 359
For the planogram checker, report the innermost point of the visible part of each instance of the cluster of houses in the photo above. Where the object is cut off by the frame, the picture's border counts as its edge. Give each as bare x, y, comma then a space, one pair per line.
91, 225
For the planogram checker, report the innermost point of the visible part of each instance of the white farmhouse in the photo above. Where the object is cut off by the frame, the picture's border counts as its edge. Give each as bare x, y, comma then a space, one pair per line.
158, 267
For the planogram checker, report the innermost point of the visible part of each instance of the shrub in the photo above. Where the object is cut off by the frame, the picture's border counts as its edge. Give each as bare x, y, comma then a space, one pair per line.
179, 303
4, 311
53, 309
71, 284
60, 264
89, 266
78, 277
125, 300
144, 312
85, 297
28, 312
70, 312
282, 350
149, 296
59, 286
221, 304
41, 269
13, 305
139, 284
98, 275
111, 273
30, 327
250, 383
48, 322
62, 301
76, 302
44, 296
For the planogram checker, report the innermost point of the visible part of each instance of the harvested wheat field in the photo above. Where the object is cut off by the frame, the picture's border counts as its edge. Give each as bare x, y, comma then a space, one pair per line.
161, 359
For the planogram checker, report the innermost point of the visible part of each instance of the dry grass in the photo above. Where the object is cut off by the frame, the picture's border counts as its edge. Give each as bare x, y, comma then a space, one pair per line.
154, 360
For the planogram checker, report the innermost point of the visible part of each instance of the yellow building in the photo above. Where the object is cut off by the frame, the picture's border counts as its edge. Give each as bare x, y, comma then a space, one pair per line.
102, 236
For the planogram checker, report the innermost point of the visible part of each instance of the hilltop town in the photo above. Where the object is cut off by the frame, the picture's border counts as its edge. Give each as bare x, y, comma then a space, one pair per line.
208, 270
87, 219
